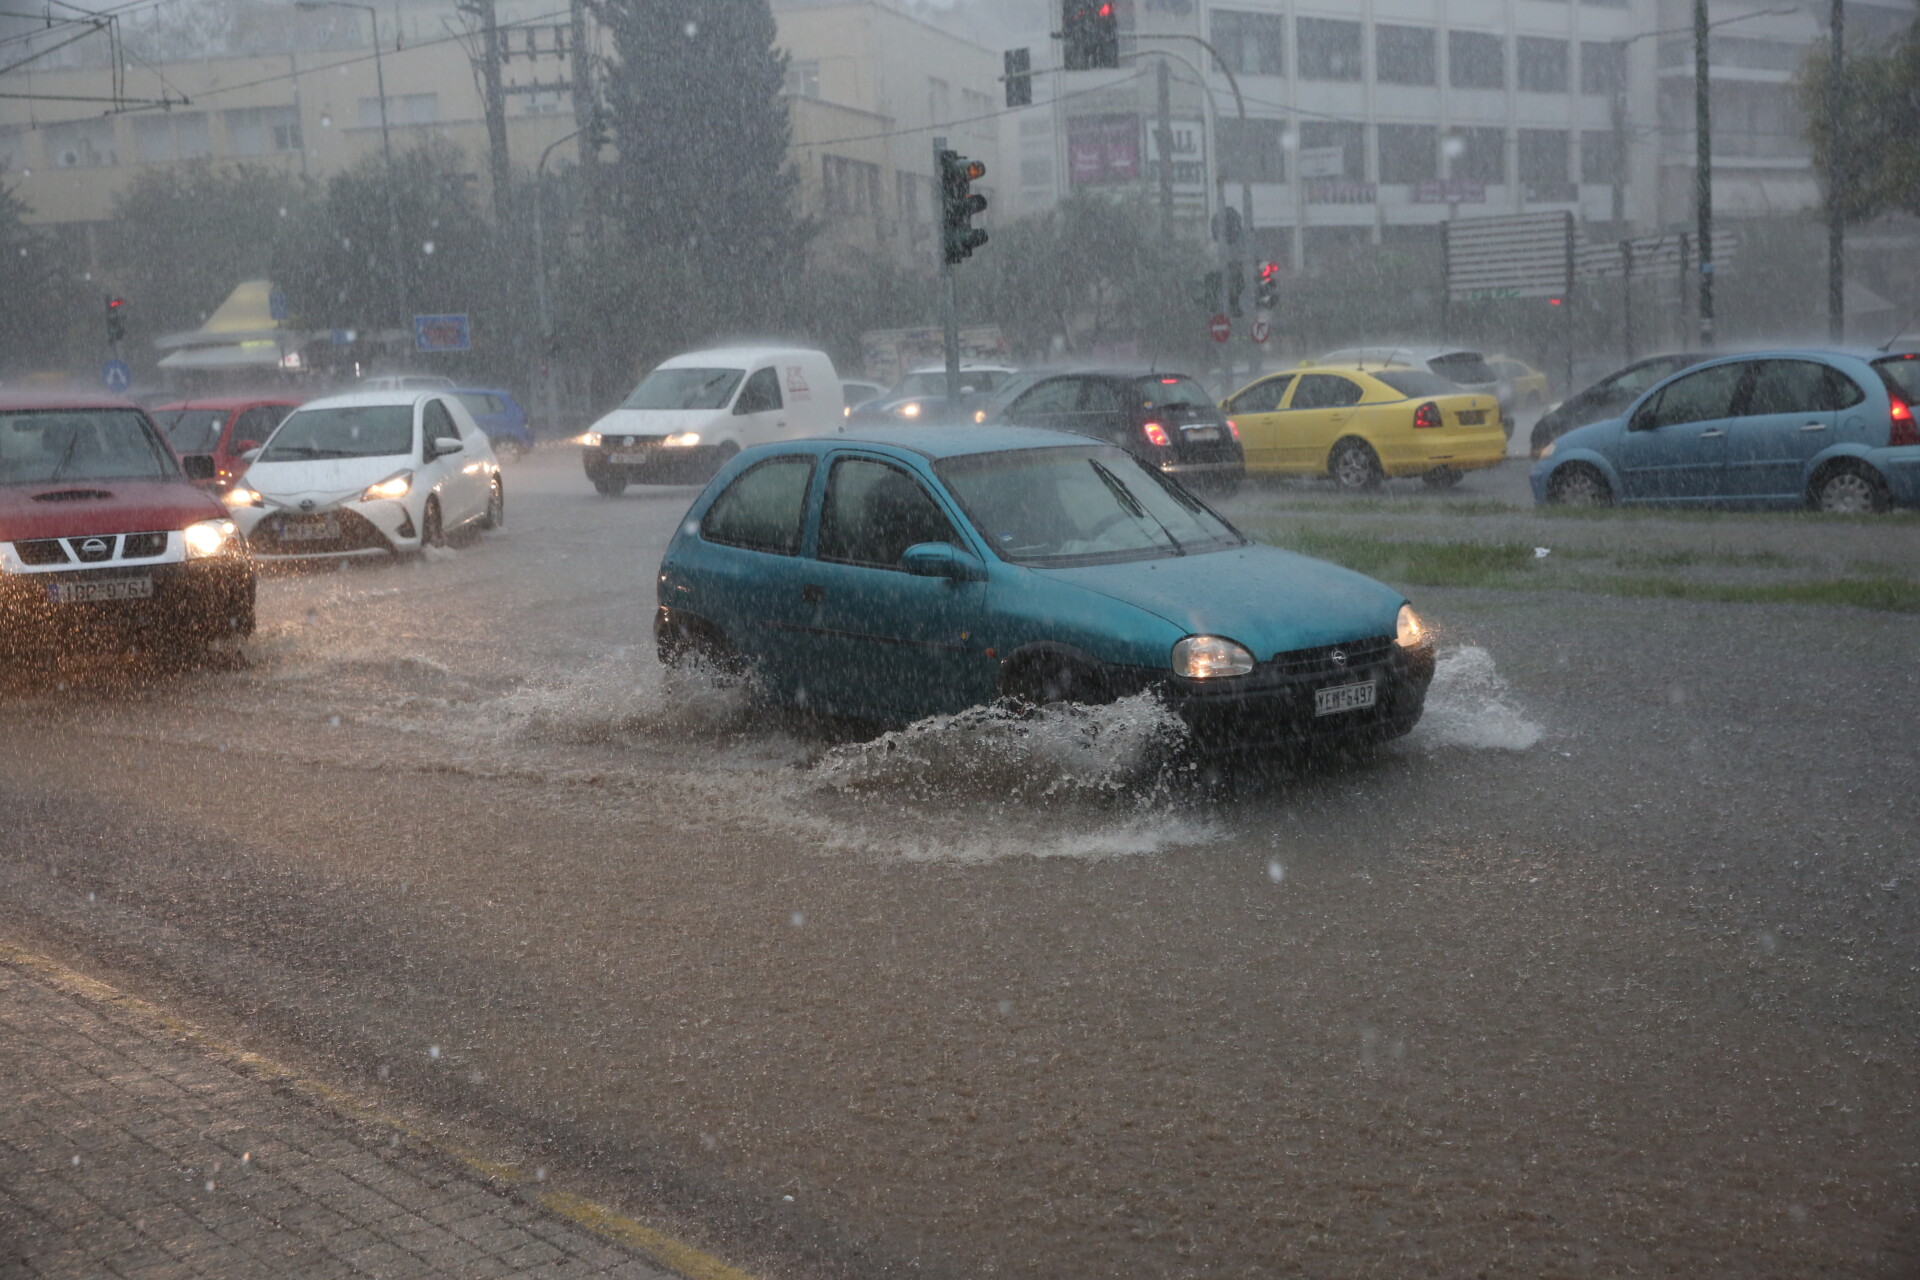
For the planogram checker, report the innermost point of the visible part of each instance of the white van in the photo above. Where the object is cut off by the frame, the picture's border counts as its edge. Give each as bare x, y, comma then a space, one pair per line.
697, 410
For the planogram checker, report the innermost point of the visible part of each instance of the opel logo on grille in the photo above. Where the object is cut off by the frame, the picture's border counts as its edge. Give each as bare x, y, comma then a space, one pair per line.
306, 504
1338, 657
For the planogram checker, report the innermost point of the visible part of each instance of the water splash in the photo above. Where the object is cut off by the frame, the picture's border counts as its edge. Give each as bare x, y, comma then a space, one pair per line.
1471, 706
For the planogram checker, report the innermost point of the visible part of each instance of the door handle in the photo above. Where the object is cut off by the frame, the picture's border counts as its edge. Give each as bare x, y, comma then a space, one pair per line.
1815, 426
812, 593
1711, 432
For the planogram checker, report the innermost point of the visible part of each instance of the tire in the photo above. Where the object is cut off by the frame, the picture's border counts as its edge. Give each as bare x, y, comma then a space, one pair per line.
433, 533
611, 484
496, 516
1849, 488
1354, 466
1578, 485
1442, 478
508, 449
696, 643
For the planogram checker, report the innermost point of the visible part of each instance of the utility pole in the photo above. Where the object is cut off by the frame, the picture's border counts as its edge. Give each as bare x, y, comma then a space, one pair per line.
494, 106
586, 116
1836, 178
1703, 171
1163, 141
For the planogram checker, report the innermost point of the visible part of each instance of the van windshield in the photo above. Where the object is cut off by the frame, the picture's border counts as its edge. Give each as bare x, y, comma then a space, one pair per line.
685, 389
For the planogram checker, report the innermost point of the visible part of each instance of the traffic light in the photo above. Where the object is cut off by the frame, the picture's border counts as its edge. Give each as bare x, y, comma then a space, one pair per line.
116, 319
1266, 295
1090, 32
958, 204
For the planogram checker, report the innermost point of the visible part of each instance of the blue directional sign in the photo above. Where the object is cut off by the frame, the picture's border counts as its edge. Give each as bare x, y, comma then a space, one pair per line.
343, 337
116, 375
277, 304
440, 333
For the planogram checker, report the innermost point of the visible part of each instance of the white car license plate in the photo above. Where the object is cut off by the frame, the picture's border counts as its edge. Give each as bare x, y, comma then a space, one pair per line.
1343, 697
1202, 434
99, 590
629, 457
309, 528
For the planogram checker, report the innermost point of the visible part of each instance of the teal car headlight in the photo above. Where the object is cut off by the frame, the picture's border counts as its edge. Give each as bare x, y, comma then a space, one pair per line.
1408, 631
1210, 657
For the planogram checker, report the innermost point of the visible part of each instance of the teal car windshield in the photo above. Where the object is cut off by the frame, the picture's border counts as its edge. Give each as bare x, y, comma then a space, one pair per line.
1093, 505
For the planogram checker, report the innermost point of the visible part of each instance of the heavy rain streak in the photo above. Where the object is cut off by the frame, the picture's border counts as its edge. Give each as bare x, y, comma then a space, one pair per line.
1031, 638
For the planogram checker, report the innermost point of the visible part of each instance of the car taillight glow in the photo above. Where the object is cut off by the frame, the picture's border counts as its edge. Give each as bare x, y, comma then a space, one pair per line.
1904, 430
1156, 435
1427, 415
1233, 428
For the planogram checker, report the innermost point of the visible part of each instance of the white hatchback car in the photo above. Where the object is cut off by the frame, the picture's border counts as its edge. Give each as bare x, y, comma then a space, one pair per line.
368, 474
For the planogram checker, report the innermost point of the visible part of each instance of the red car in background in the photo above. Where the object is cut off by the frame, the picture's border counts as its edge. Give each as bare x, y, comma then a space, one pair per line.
222, 428
102, 532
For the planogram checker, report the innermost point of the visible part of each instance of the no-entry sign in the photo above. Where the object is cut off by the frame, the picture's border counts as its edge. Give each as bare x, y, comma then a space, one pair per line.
1220, 327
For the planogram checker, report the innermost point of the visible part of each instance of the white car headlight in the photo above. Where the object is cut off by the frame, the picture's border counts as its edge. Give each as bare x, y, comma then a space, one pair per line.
209, 538
591, 439
1408, 631
397, 485
1209, 657
682, 440
241, 496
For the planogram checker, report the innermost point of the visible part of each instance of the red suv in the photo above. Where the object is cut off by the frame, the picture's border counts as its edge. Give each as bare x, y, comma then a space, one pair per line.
101, 530
222, 428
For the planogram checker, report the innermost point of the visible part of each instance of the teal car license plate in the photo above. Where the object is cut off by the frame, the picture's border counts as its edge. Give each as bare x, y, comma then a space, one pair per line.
1344, 697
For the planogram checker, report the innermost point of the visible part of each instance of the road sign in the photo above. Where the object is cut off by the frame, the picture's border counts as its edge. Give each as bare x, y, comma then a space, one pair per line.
441, 333
1529, 255
1322, 162
277, 304
1220, 327
115, 375
1262, 326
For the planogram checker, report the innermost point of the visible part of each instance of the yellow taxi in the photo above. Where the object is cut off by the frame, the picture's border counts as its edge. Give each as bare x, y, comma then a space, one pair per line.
1358, 425
1530, 386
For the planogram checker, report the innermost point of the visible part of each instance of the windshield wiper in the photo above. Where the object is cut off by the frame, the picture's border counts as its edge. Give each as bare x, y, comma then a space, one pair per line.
1124, 496
66, 456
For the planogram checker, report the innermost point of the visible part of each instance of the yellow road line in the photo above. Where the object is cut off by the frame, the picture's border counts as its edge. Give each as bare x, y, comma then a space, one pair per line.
657, 1246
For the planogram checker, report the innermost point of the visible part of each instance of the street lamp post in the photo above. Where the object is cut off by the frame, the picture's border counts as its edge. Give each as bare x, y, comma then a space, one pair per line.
540, 277
1703, 171
1836, 177
386, 148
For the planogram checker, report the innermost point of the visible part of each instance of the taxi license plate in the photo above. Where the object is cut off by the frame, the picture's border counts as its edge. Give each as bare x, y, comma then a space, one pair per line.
100, 590
309, 528
1343, 697
1472, 417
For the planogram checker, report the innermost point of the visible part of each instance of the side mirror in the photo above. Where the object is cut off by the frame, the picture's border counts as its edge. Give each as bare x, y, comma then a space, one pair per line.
244, 446
1642, 419
199, 466
444, 445
942, 560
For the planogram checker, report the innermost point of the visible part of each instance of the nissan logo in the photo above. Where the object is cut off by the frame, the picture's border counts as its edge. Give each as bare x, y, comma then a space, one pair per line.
95, 547
306, 504
1338, 657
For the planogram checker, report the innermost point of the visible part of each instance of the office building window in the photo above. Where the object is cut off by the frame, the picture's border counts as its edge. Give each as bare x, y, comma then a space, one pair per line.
1476, 60
939, 100
1409, 152
175, 136
1479, 155
81, 144
1349, 136
1252, 151
1253, 44
1543, 155
402, 108
259, 131
803, 79
1329, 49
13, 148
1603, 67
1541, 65
1599, 156
1403, 55
849, 186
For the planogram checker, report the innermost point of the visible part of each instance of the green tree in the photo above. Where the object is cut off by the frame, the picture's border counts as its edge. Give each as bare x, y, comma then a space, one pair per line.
183, 236
44, 302
1879, 170
701, 190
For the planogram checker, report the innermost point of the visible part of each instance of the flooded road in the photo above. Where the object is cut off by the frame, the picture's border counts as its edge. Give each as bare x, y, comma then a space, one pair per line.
1612, 967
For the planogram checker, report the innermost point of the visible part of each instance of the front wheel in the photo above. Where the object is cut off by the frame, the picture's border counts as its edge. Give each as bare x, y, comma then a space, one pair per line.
610, 484
433, 532
496, 517
1578, 485
1354, 466
1849, 488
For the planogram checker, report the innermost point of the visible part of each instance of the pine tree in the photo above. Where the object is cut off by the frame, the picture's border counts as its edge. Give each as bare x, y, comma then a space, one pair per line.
701, 188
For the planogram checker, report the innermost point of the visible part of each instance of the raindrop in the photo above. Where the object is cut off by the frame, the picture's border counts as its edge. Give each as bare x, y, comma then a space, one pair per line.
246, 1157
708, 1141
383, 1071
1006, 1006
788, 1199
209, 1184
693, 29
1275, 872
539, 1173
427, 248
326, 122
433, 1051
283, 211
333, 722
798, 918
76, 1159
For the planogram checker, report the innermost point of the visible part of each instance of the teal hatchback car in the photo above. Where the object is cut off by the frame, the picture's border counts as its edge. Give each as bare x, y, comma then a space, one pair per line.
902, 573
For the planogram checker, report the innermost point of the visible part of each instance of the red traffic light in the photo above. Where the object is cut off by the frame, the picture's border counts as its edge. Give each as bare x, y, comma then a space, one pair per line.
1269, 271
1553, 302
114, 304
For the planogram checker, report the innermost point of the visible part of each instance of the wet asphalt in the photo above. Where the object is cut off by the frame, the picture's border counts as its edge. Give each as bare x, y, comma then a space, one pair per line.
1611, 968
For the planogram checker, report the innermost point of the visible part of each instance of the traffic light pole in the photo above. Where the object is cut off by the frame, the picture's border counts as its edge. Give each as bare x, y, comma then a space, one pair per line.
949, 307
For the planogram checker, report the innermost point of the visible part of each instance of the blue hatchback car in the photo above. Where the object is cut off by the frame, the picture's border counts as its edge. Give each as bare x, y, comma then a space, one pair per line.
501, 417
901, 573
1828, 429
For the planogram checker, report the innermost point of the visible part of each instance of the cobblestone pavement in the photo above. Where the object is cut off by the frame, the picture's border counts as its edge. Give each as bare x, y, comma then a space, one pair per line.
128, 1150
